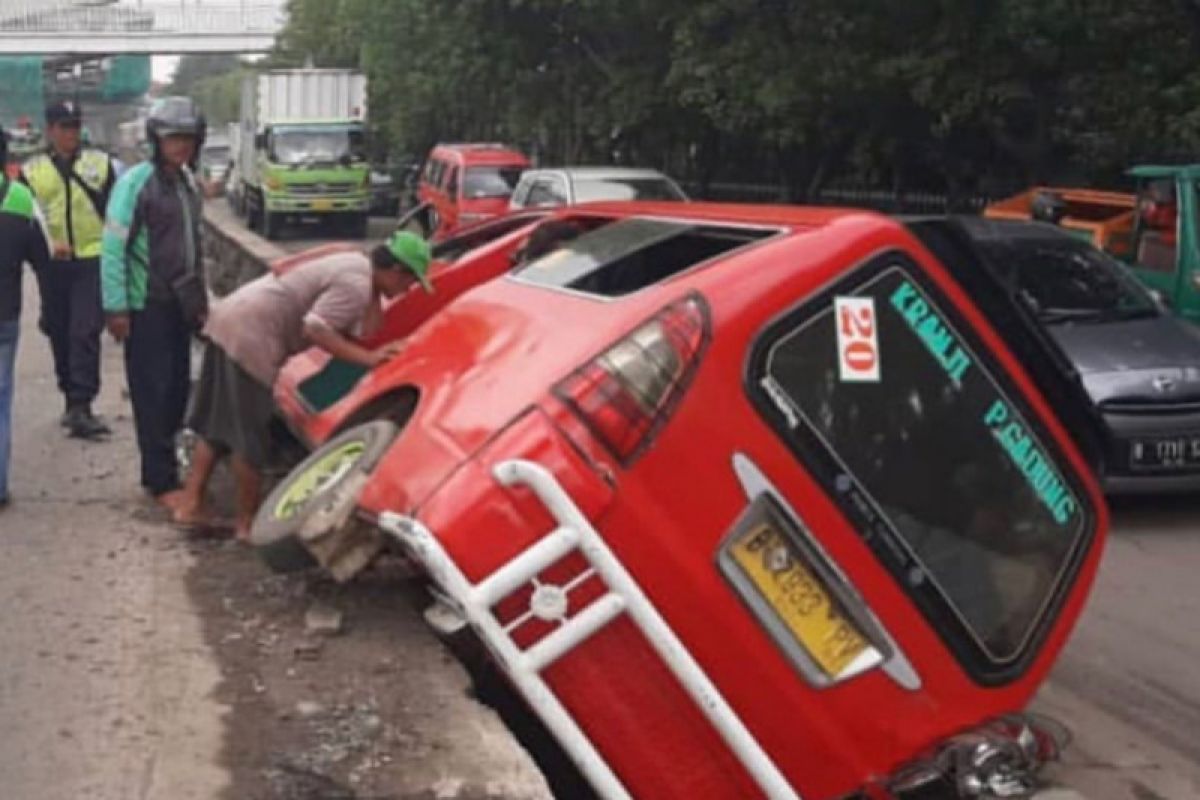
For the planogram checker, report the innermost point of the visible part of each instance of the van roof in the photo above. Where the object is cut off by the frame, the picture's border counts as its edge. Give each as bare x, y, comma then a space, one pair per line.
480, 153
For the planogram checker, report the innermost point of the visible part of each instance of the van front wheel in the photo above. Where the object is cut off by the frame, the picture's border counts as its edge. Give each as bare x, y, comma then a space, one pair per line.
311, 489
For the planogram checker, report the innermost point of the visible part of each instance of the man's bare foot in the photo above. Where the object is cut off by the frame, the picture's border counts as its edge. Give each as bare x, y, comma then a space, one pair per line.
170, 500
193, 515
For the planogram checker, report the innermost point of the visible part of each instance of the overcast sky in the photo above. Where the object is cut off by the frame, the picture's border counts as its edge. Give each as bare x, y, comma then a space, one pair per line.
163, 67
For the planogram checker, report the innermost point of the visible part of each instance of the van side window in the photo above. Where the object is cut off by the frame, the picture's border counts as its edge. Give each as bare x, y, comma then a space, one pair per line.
520, 198
436, 172
542, 194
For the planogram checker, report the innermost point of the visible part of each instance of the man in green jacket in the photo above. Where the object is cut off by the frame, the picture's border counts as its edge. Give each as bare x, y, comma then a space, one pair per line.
22, 241
153, 284
72, 184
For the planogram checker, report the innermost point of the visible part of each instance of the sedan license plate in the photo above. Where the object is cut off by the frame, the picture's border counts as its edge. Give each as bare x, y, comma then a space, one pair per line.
802, 603
1177, 452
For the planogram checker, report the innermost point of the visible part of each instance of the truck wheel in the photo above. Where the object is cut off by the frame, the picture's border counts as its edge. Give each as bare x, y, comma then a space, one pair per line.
359, 226
276, 529
270, 225
249, 213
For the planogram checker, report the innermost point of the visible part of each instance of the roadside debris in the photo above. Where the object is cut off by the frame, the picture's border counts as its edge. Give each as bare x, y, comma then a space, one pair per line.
323, 619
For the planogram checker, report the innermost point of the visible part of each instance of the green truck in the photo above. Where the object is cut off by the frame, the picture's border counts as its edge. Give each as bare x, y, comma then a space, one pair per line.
301, 151
1153, 230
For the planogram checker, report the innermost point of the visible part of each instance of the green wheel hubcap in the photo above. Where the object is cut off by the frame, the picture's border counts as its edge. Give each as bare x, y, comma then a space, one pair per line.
320, 475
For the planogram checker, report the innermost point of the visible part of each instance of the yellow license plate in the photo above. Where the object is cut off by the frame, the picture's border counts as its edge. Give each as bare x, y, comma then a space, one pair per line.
322, 205
799, 599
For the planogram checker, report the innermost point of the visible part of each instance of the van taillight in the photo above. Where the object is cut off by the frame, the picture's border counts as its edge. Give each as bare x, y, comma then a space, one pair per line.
625, 394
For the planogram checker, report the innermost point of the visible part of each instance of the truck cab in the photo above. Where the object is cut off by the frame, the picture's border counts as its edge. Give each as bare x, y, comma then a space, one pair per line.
1153, 230
302, 150
1164, 249
313, 169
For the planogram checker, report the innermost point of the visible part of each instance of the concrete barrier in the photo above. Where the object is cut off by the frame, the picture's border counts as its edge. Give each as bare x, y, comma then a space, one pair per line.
233, 253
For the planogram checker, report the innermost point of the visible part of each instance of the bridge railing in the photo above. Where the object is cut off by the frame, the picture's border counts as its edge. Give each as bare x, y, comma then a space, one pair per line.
32, 17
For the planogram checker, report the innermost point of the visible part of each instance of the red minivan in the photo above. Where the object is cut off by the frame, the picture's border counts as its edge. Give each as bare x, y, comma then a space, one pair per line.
745, 501
466, 183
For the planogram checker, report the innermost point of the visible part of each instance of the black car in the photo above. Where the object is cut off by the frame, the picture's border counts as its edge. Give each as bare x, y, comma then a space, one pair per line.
1138, 362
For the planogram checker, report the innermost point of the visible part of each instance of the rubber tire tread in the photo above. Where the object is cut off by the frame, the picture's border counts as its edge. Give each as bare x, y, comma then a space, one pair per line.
278, 541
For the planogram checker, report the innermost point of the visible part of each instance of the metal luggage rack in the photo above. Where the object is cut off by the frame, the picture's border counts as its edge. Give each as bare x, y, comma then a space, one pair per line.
474, 601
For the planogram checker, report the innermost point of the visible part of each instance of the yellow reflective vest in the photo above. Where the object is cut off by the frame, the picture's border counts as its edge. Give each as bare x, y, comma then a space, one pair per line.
71, 216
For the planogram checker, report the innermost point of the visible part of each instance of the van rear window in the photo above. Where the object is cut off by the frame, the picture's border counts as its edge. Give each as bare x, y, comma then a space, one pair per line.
933, 453
629, 255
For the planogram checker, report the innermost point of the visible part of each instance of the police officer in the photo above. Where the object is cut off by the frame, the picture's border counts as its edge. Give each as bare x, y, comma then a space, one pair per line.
71, 184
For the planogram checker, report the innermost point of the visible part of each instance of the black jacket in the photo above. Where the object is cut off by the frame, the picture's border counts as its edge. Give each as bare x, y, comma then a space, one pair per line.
22, 241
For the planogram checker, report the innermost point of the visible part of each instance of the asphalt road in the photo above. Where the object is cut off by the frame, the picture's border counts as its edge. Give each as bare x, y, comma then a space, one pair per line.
139, 664
1128, 683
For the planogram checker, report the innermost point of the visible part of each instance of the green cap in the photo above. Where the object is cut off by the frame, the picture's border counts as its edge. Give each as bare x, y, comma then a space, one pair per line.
413, 252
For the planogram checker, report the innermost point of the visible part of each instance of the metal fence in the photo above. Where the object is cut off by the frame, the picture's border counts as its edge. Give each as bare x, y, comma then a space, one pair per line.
214, 18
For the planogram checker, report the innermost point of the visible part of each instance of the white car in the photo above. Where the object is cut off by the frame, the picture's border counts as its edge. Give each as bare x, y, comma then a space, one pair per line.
564, 186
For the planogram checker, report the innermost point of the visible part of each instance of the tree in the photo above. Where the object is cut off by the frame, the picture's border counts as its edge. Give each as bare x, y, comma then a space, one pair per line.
928, 94
214, 82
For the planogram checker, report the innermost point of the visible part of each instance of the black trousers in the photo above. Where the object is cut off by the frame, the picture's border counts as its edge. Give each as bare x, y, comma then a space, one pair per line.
158, 368
72, 319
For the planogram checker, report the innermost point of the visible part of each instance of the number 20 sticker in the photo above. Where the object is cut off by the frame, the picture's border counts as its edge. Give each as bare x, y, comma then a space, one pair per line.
857, 340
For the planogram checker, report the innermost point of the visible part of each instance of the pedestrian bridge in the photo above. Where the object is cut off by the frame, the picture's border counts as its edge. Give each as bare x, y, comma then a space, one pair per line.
104, 27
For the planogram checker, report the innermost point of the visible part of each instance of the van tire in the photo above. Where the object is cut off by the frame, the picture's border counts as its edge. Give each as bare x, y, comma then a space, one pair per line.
277, 526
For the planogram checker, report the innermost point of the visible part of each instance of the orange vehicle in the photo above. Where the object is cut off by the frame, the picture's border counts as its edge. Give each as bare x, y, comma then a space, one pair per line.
1105, 218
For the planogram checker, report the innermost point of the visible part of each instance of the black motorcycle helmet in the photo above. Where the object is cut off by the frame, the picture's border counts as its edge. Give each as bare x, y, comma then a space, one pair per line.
173, 116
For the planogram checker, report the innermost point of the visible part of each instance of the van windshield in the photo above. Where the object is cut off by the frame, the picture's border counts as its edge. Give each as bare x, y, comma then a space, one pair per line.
1063, 279
948, 477
481, 182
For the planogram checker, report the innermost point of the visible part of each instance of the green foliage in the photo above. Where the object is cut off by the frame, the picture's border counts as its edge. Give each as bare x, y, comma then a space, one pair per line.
214, 82
926, 94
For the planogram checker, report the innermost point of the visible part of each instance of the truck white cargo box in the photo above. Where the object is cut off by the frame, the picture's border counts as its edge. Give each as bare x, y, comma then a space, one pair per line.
305, 95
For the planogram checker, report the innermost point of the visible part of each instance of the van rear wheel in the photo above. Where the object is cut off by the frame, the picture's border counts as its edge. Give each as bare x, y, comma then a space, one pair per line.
311, 488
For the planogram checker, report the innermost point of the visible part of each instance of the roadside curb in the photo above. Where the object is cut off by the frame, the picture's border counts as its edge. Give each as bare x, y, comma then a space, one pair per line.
235, 254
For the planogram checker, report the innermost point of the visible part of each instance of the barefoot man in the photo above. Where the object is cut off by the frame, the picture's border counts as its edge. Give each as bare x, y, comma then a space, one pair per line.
256, 329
